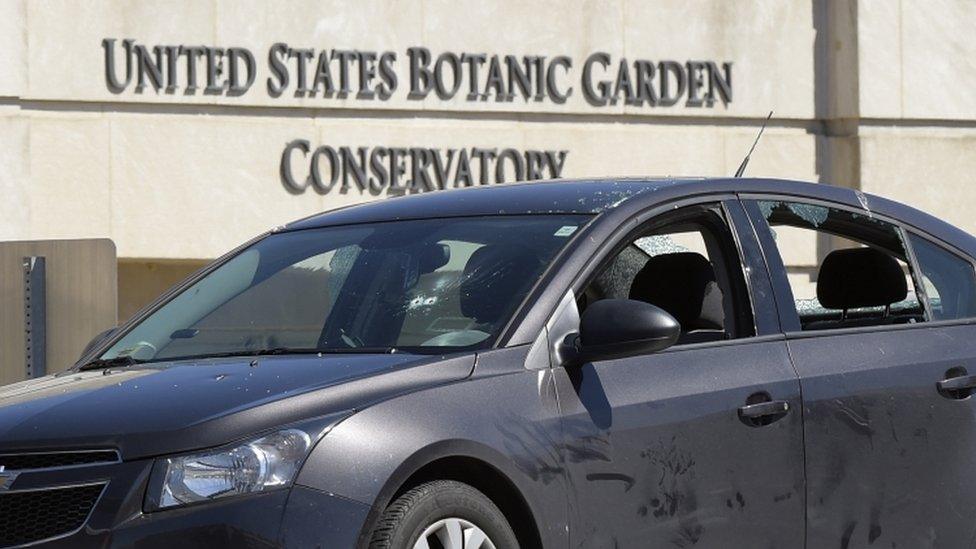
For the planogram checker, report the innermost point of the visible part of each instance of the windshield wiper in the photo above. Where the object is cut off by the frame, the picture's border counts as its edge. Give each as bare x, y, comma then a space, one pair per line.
121, 361
294, 351
117, 362
242, 353
358, 350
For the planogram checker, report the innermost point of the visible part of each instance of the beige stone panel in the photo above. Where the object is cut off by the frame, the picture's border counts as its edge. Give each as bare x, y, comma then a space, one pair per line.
602, 150
594, 150
836, 58
69, 182
879, 43
13, 44
930, 169
364, 25
15, 187
573, 28
186, 186
939, 59
788, 153
803, 283
599, 149
769, 43
197, 186
797, 247
67, 60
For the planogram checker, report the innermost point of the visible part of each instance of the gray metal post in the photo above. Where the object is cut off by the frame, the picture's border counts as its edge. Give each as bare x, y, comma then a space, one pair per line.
35, 316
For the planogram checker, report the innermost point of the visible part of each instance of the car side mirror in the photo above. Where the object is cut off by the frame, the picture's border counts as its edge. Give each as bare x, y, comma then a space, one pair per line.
617, 328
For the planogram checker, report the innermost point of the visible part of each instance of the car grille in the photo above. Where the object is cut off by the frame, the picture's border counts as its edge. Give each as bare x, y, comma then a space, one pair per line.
18, 462
31, 516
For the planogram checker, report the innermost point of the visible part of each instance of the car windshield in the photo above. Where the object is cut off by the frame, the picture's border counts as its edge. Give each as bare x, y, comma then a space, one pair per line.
417, 286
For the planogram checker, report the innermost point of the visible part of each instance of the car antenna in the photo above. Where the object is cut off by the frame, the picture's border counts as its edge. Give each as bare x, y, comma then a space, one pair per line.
745, 161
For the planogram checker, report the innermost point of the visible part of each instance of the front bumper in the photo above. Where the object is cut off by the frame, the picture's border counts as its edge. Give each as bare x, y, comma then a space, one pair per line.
297, 517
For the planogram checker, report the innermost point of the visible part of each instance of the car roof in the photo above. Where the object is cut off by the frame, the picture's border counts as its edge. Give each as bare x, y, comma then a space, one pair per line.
580, 196
597, 195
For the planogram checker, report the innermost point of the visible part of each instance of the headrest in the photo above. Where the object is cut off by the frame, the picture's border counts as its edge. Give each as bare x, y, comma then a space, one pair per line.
684, 285
492, 277
860, 277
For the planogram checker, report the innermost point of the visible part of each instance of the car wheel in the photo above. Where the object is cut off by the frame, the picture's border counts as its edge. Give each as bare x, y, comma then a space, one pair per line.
443, 514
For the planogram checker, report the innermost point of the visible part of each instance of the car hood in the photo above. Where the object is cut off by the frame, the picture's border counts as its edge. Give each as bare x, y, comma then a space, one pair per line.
166, 407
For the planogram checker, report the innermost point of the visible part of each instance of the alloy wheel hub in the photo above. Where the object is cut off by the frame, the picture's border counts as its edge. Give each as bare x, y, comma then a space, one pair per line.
453, 533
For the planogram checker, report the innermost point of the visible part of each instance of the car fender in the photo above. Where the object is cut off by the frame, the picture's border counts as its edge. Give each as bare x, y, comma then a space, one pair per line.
507, 420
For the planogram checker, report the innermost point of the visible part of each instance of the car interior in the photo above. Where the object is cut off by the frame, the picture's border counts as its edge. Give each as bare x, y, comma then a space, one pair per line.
860, 278
686, 263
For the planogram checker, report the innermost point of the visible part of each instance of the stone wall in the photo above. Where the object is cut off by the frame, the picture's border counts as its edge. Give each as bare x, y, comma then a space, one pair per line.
872, 94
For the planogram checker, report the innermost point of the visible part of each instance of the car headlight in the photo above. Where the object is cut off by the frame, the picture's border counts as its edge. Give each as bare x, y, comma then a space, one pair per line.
259, 465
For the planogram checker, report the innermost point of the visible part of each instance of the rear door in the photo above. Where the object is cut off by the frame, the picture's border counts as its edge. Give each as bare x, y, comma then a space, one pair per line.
700, 444
889, 426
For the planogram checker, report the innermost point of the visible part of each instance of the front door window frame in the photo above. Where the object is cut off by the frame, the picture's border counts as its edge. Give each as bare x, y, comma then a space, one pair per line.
640, 222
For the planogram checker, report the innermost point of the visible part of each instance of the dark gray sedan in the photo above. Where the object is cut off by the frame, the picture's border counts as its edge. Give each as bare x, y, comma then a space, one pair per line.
607, 363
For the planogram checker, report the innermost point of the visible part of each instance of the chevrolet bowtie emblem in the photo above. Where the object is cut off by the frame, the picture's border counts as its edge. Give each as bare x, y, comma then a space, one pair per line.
6, 479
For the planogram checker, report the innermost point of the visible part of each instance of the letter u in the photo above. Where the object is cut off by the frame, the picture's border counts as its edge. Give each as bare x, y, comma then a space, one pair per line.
111, 80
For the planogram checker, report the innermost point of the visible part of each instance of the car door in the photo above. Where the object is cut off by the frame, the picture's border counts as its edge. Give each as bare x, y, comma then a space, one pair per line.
889, 427
676, 448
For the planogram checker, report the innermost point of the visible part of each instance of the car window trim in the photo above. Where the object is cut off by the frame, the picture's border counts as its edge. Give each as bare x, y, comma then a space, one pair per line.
723, 343
789, 319
736, 248
765, 321
920, 292
880, 328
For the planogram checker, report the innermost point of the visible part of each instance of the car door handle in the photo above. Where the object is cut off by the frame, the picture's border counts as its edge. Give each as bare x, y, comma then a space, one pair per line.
958, 383
957, 386
764, 409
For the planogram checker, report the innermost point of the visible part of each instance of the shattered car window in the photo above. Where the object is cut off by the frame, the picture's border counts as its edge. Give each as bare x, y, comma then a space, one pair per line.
806, 234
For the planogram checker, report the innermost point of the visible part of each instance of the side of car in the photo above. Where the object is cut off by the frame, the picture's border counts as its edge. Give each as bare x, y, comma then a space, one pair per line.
889, 428
767, 424
883, 369
701, 442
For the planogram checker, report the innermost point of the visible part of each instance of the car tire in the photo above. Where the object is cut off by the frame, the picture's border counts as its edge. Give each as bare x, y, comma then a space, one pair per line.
437, 510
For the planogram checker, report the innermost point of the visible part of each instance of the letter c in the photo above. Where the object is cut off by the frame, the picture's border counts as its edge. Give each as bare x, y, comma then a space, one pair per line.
287, 179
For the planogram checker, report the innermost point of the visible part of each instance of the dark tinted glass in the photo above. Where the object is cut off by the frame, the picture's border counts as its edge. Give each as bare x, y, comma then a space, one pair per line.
950, 282
424, 284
